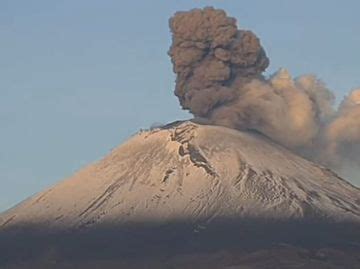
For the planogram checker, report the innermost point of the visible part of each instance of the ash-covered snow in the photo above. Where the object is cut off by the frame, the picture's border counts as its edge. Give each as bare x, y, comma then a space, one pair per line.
187, 171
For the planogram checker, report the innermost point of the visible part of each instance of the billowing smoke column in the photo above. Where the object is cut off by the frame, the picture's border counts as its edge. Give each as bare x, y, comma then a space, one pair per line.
219, 79
343, 133
211, 56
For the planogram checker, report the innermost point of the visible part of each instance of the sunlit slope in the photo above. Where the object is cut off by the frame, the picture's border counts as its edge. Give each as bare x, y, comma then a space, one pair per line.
190, 172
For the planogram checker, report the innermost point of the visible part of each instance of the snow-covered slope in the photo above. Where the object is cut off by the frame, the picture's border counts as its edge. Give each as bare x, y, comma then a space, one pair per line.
187, 171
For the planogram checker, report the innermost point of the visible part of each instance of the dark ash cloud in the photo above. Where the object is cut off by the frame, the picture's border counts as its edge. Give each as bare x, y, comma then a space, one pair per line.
219, 79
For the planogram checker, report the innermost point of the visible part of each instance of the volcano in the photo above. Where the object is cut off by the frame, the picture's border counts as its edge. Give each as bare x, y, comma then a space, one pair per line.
187, 187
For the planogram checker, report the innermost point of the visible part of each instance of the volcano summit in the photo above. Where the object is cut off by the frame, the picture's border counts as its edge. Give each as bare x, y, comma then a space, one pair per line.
242, 185
191, 172
187, 189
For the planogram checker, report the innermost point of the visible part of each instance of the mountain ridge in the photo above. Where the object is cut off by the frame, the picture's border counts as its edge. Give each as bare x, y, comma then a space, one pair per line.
189, 171
189, 195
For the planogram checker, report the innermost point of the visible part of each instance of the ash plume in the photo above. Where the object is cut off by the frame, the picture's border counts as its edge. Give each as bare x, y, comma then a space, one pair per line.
219, 80
343, 133
210, 55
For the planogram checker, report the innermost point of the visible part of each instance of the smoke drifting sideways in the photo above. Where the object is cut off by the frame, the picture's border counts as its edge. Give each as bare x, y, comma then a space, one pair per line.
219, 80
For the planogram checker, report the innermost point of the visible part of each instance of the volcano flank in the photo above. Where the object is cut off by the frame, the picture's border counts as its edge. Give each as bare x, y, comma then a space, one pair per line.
183, 188
244, 184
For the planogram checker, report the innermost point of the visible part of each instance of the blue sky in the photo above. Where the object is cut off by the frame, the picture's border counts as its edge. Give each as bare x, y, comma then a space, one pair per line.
78, 77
